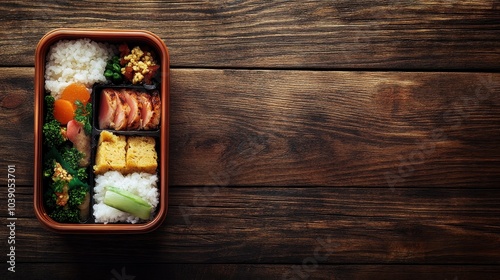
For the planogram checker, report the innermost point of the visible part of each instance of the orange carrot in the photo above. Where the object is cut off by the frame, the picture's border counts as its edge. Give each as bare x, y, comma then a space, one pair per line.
76, 91
64, 111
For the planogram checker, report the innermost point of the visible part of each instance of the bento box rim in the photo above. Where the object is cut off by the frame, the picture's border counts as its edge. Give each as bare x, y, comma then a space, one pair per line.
100, 35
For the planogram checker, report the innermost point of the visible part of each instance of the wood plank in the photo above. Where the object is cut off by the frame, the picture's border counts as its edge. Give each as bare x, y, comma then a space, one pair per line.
334, 128
309, 128
17, 122
286, 226
251, 271
345, 34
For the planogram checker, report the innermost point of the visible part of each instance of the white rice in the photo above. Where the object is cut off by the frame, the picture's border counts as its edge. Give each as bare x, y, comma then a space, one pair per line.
76, 61
141, 184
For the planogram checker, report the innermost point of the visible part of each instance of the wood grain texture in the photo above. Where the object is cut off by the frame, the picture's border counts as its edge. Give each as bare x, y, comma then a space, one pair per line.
252, 271
347, 139
17, 121
346, 34
309, 128
287, 226
334, 128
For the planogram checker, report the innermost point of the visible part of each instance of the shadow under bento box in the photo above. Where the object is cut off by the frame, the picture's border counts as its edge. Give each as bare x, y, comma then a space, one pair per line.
130, 37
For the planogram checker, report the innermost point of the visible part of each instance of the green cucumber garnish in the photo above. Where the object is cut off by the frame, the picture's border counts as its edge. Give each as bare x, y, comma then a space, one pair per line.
127, 202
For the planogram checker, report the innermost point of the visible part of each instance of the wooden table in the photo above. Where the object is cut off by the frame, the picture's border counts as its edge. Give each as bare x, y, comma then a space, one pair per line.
309, 140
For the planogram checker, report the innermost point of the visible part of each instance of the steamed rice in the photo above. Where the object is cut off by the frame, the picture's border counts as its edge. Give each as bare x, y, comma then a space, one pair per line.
76, 61
141, 184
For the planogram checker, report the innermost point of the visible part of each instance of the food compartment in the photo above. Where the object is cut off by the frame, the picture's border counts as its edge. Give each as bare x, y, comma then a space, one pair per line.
126, 177
130, 109
68, 131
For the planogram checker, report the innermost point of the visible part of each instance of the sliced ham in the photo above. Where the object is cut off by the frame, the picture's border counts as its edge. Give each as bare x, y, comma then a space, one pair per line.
156, 109
146, 108
134, 115
107, 108
128, 109
122, 111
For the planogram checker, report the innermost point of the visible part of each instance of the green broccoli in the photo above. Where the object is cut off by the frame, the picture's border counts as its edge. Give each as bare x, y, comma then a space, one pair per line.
77, 192
82, 174
58, 213
62, 215
72, 157
58, 185
53, 134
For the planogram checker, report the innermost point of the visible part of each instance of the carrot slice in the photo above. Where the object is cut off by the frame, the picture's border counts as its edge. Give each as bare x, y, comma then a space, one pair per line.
76, 91
64, 111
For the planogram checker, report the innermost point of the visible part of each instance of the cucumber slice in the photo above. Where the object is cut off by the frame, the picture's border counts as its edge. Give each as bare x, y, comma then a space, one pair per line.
127, 202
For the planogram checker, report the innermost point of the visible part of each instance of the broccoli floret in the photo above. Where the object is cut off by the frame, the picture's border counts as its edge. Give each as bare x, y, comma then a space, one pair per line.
53, 134
59, 213
72, 157
58, 186
77, 192
62, 215
82, 173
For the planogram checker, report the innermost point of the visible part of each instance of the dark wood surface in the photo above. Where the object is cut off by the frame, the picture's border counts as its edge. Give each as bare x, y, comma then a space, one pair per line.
309, 140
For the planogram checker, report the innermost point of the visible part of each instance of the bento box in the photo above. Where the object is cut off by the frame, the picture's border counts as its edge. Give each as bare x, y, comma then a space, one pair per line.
101, 131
